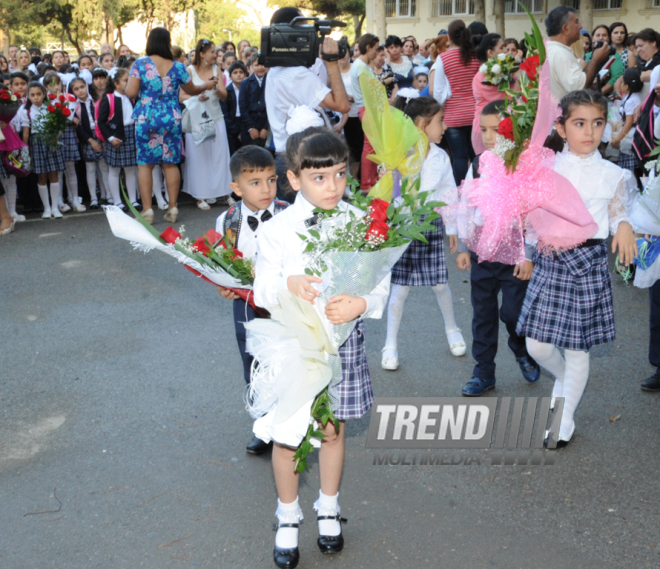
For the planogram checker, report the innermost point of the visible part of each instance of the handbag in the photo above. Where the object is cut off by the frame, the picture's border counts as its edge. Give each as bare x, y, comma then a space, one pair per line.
18, 162
199, 117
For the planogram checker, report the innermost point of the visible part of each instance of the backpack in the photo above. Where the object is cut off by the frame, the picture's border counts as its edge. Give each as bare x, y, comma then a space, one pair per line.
643, 140
97, 106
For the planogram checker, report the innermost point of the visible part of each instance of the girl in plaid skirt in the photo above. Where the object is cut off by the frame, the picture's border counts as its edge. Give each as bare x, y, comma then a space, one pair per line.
569, 298
46, 162
423, 264
317, 161
631, 86
118, 129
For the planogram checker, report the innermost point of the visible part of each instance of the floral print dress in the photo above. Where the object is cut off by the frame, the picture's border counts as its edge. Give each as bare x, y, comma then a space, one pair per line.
157, 114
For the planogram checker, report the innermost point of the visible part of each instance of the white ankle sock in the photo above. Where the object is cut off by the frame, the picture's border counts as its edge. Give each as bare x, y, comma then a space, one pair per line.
575, 382
398, 298
43, 194
328, 506
287, 538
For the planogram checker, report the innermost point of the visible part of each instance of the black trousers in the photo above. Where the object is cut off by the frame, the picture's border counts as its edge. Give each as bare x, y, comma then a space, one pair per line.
487, 279
654, 342
243, 312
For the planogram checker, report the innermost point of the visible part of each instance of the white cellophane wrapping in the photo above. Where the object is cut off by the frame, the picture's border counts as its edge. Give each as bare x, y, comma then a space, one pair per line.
645, 218
125, 227
297, 349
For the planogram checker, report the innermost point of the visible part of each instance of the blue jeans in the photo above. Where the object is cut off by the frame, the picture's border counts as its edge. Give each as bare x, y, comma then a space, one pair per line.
462, 153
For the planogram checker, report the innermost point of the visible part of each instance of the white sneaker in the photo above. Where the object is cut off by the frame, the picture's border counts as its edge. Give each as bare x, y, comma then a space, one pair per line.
456, 342
46, 214
390, 359
203, 205
78, 207
18, 218
63, 208
57, 213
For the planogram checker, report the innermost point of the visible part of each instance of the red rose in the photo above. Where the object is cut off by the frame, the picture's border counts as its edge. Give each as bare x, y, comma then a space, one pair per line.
66, 112
170, 235
58, 106
52, 96
378, 209
50, 109
506, 128
530, 66
212, 236
201, 246
62, 98
378, 229
4, 96
71, 98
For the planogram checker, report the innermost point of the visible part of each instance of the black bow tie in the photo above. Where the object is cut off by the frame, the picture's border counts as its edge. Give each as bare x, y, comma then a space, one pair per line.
253, 220
312, 221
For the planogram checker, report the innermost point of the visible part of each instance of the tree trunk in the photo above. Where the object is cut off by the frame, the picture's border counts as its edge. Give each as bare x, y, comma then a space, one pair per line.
498, 6
119, 36
381, 21
587, 14
480, 10
358, 21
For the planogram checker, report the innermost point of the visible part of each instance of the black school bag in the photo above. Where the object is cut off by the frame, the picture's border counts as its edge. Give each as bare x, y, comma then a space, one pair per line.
643, 141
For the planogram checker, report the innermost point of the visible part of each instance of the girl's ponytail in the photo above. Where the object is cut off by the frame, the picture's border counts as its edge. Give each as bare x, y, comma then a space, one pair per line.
460, 37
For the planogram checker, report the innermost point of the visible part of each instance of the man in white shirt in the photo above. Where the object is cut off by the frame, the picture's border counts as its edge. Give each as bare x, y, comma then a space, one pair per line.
563, 29
293, 86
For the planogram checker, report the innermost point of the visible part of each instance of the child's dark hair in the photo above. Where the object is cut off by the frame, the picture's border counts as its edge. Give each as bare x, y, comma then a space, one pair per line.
99, 72
33, 85
19, 75
420, 107
315, 147
514, 41
237, 65
585, 97
633, 80
227, 55
493, 108
110, 82
73, 82
250, 158
50, 77
85, 56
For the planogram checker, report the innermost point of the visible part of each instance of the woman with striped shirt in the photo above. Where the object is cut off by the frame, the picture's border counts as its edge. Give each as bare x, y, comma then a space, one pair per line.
454, 71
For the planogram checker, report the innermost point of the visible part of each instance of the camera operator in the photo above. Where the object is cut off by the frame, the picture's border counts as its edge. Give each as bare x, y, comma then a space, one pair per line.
292, 86
563, 29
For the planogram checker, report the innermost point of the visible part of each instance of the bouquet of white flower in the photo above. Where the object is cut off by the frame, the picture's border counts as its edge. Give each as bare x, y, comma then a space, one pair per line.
499, 71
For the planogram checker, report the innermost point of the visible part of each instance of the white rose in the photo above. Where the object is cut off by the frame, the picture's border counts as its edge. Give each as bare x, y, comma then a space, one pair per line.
483, 69
501, 56
496, 69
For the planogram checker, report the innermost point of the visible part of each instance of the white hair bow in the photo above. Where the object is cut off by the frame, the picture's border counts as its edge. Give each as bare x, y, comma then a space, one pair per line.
112, 72
86, 76
302, 117
408, 93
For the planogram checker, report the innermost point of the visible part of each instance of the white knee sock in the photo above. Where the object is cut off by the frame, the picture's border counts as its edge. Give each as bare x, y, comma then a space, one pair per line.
90, 175
55, 195
287, 538
549, 357
72, 181
575, 382
398, 297
328, 506
131, 182
446, 304
113, 184
157, 185
10, 187
43, 194
102, 176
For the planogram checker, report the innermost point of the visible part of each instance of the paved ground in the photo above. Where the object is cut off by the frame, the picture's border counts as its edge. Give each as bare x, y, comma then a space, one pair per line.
122, 432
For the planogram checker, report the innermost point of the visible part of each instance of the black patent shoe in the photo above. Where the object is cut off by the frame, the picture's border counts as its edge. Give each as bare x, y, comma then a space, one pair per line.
257, 446
652, 383
286, 558
561, 443
330, 544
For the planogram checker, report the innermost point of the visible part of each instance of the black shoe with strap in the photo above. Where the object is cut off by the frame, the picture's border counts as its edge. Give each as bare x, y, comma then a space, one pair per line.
286, 558
329, 544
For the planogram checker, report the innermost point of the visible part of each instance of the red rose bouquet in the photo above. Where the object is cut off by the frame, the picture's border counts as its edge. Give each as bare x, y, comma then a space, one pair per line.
10, 102
51, 125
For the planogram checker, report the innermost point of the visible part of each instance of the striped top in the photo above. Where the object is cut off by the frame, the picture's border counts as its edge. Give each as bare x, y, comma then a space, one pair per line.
459, 108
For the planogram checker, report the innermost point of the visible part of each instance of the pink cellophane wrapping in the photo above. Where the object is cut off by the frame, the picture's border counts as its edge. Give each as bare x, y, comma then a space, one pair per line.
491, 211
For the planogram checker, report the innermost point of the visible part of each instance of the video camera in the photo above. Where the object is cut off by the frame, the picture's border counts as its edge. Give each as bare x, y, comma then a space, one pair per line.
294, 45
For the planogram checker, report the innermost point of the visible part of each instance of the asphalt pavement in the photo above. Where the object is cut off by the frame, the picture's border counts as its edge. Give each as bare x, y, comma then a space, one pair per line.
123, 428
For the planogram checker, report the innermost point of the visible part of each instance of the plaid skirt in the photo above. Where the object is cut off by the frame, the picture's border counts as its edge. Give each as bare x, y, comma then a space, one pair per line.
569, 299
628, 161
355, 393
70, 142
44, 159
423, 264
89, 154
126, 154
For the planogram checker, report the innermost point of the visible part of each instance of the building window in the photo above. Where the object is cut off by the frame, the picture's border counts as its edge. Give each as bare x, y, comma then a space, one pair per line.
441, 8
575, 4
607, 4
400, 8
656, 3
536, 6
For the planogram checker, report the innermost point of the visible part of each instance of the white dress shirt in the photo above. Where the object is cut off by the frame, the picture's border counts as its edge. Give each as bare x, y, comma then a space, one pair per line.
566, 75
288, 87
441, 86
247, 239
280, 254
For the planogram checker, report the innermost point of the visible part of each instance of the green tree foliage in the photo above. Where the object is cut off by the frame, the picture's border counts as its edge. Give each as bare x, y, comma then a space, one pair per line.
223, 20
